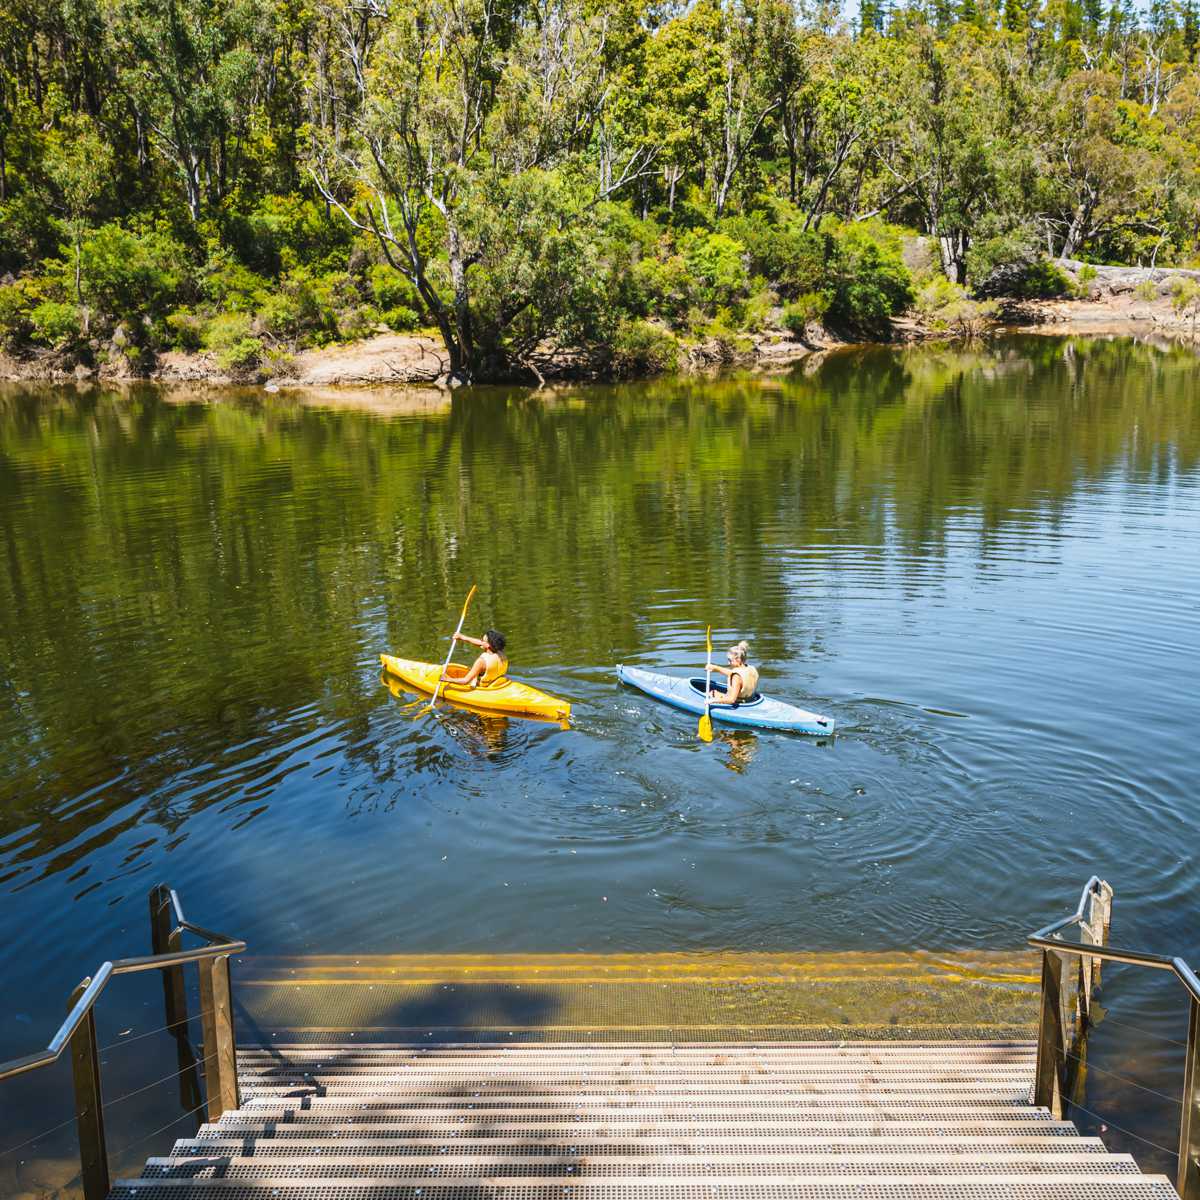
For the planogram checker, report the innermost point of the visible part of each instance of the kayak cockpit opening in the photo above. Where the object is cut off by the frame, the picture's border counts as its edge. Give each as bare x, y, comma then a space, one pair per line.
698, 686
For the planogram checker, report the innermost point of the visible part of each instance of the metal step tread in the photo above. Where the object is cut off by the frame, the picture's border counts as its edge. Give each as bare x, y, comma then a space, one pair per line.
569, 1167
1060, 1187
856, 1125
690, 1106
648, 1145
263, 1105
472, 1089
899, 1045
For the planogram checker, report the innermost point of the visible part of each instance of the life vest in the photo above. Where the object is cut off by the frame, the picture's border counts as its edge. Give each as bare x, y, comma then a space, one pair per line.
493, 673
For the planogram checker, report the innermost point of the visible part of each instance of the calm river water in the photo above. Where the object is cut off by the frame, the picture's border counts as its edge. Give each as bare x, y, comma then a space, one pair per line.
984, 563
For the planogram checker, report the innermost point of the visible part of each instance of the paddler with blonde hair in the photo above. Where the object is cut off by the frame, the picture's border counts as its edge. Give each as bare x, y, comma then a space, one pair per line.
743, 678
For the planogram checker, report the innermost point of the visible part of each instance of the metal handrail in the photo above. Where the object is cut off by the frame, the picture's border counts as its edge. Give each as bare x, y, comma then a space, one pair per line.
1047, 939
76, 1036
1051, 1081
219, 945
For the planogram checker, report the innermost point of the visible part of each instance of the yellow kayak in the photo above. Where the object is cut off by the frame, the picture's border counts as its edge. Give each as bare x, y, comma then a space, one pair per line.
503, 695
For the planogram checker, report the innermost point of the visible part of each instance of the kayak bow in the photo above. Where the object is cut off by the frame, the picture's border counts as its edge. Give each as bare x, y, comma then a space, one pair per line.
504, 695
688, 694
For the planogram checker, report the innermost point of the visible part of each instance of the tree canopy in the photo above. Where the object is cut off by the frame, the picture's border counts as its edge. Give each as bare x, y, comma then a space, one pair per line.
524, 174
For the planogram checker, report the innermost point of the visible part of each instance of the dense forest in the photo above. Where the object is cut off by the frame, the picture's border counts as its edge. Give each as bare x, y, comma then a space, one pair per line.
596, 178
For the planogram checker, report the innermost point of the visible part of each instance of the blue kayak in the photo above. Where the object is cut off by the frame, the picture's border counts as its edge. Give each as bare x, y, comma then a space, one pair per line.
688, 694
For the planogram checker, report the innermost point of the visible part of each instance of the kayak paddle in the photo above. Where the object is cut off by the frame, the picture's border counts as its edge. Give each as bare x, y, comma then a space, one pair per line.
704, 729
450, 653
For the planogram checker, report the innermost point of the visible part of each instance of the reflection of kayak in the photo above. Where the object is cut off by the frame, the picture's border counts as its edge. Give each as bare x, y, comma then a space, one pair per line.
688, 694
503, 696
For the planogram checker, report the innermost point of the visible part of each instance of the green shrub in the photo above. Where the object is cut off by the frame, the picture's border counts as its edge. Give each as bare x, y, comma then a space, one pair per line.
130, 276
294, 310
55, 323
789, 255
869, 282
391, 290
1146, 291
717, 264
242, 356
758, 306
946, 307
228, 284
400, 319
185, 329
729, 341
282, 231
1185, 297
15, 325
662, 287
278, 364
226, 330
1041, 280
640, 348
1084, 279
803, 311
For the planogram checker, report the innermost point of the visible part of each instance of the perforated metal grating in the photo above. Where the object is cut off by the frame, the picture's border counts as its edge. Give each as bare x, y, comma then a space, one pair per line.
270, 1148
895, 1126
642, 1169
1082, 1188
649, 1121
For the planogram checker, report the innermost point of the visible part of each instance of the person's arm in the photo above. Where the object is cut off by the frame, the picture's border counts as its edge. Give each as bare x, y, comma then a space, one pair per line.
732, 691
477, 668
723, 670
462, 637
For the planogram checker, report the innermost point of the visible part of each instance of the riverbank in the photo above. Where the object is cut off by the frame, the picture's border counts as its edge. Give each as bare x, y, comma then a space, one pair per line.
1133, 301
391, 359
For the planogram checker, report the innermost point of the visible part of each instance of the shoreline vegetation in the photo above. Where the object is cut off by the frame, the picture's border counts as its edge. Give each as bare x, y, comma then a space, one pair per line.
515, 191
1131, 302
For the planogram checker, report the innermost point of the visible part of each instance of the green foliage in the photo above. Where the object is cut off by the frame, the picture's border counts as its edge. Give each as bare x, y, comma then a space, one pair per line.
1146, 291
716, 263
1185, 297
946, 307
185, 329
1041, 280
55, 323
869, 283
688, 164
227, 330
129, 276
641, 348
1084, 278
804, 311
15, 324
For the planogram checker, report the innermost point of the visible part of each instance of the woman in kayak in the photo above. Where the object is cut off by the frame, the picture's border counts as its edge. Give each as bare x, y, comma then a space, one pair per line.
743, 678
489, 666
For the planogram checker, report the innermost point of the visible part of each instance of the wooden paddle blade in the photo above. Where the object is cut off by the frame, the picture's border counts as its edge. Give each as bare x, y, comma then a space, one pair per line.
704, 729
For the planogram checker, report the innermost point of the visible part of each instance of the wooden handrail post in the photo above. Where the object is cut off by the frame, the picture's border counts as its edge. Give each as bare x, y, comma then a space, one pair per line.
1051, 1045
1188, 1179
220, 1047
89, 1106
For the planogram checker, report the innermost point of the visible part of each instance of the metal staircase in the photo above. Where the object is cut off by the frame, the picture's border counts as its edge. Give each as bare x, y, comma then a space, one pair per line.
888, 1121
655, 1077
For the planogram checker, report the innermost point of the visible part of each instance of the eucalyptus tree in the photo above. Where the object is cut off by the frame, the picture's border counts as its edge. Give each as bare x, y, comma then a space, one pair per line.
459, 133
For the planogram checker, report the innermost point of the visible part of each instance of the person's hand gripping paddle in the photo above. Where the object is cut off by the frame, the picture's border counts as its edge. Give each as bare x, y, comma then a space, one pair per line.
704, 729
449, 654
